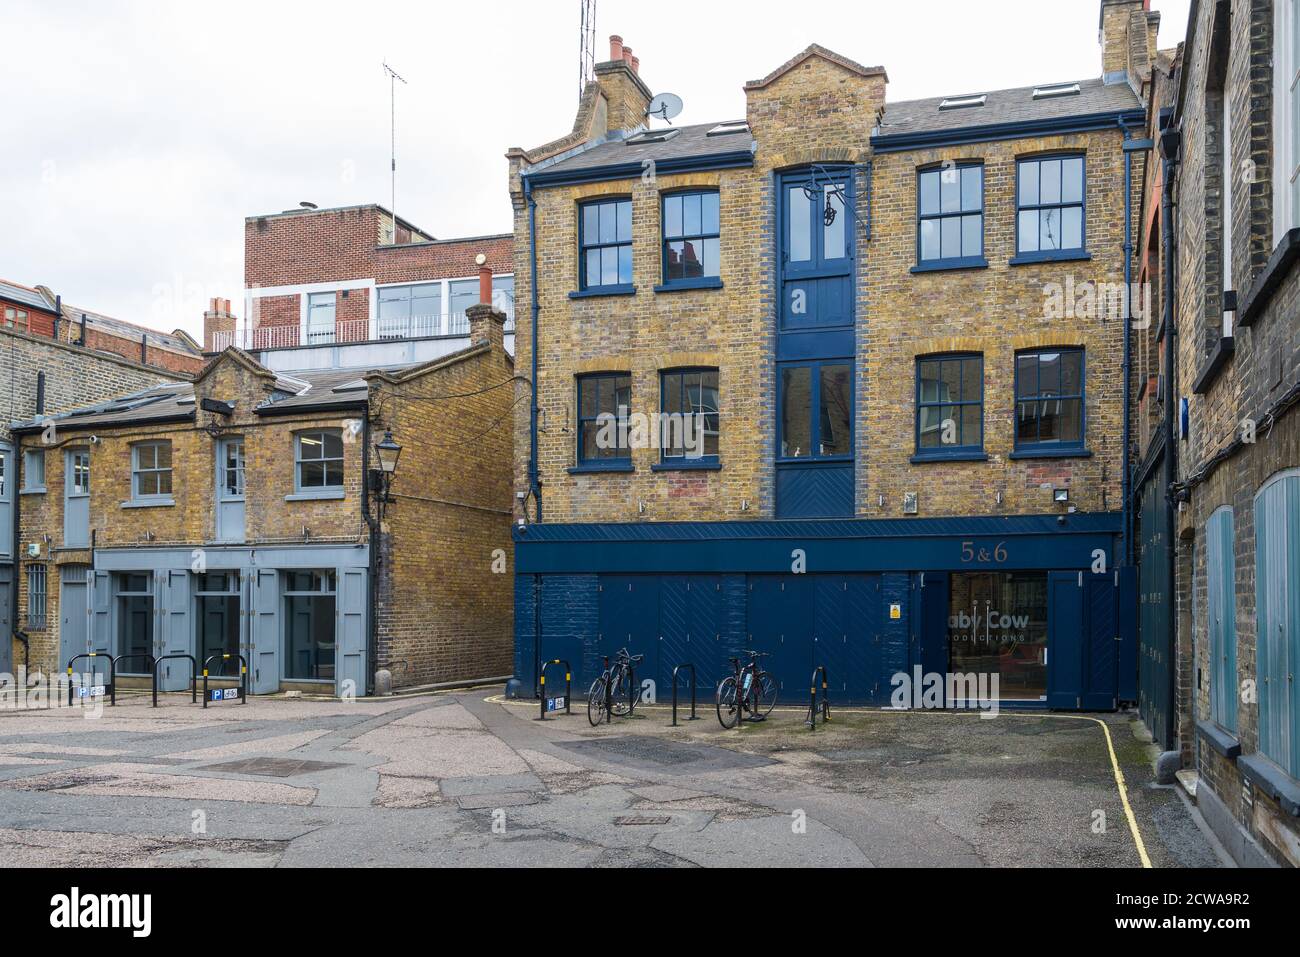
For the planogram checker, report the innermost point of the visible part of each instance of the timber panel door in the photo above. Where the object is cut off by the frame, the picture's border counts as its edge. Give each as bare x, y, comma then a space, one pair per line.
265, 632
175, 632
230, 490
76, 498
629, 618
74, 614
350, 660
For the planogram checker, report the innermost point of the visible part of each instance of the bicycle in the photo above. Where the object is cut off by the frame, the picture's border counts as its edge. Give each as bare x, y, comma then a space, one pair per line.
615, 692
757, 692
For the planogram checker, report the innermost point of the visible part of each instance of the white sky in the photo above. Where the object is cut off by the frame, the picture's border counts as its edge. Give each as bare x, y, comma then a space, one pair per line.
138, 135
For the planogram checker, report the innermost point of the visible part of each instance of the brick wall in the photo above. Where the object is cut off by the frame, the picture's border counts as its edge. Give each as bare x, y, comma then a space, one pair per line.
820, 112
1265, 363
446, 581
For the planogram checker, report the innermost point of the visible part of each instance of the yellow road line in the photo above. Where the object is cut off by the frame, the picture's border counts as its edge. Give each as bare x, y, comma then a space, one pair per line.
1120, 785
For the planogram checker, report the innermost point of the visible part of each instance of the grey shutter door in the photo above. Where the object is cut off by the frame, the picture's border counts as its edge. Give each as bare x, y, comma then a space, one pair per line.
7, 622
265, 636
351, 637
175, 632
8, 476
101, 615
1221, 615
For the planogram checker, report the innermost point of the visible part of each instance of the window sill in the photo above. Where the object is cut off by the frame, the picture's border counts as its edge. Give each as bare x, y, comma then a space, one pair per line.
1215, 365
31, 491
1221, 741
970, 456
683, 285
1074, 452
700, 465
1272, 780
600, 291
1253, 301
323, 496
620, 468
947, 265
151, 503
1065, 256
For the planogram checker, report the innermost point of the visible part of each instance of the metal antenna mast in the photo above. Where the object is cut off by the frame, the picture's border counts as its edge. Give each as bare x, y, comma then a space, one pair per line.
392, 106
586, 46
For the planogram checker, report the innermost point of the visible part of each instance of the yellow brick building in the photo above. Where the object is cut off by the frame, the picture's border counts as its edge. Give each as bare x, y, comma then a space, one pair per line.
900, 330
245, 514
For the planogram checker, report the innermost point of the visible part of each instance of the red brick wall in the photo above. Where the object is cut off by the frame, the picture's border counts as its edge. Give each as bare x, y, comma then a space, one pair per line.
339, 245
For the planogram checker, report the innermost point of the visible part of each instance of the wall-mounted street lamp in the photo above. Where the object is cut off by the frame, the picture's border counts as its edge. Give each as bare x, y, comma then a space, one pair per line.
387, 452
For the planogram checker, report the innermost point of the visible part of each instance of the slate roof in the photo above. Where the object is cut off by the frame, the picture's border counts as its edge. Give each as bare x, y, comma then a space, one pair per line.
1007, 106
126, 330
689, 142
913, 116
175, 400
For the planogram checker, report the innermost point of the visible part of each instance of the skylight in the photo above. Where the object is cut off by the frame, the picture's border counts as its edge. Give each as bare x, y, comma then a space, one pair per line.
727, 129
652, 136
1059, 89
963, 102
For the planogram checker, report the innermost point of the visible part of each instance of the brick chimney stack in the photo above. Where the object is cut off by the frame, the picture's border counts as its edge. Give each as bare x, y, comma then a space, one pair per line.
486, 325
1127, 30
218, 319
626, 94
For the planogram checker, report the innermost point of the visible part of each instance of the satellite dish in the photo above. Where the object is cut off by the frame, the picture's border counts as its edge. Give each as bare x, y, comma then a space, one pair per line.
666, 106
306, 205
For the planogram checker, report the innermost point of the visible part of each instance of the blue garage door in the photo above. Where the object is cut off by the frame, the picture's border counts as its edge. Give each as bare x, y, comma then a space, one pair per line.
629, 618
808, 621
691, 633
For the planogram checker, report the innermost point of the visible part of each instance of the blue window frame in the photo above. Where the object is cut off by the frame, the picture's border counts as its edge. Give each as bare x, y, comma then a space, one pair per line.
950, 217
689, 408
604, 404
1050, 401
949, 406
1221, 591
605, 245
1277, 609
691, 238
816, 411
1050, 208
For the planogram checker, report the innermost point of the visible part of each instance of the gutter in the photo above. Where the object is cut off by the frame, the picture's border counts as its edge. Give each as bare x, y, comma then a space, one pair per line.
900, 142
734, 159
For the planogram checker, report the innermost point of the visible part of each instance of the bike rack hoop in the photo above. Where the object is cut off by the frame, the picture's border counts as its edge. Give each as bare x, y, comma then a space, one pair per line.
112, 675
676, 671
812, 699
194, 676
568, 686
243, 676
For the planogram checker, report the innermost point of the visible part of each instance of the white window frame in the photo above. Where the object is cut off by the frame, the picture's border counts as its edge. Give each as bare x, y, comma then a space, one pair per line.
315, 328
138, 470
1286, 127
298, 460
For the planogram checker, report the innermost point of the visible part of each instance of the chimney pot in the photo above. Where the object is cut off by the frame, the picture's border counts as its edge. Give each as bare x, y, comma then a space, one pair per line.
636, 65
485, 284
627, 56
616, 47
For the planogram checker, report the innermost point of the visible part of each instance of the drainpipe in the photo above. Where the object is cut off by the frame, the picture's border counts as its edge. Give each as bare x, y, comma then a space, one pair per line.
1126, 535
372, 577
1170, 142
534, 482
17, 558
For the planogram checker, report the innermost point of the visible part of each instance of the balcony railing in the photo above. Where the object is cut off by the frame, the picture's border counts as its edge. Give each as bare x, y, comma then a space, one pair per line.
346, 331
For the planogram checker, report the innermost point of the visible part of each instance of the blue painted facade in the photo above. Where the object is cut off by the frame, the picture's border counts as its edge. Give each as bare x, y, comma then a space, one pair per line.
870, 602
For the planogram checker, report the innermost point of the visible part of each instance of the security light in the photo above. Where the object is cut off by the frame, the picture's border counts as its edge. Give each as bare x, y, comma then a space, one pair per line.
1061, 496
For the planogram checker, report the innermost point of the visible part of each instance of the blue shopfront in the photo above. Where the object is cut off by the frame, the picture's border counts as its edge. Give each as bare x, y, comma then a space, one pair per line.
1035, 600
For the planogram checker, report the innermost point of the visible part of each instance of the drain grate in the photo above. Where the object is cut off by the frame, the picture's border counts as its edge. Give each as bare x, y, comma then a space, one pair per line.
272, 767
641, 820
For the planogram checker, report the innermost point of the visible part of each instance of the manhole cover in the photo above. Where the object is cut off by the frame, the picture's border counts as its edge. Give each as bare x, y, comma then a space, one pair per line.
641, 820
673, 757
272, 767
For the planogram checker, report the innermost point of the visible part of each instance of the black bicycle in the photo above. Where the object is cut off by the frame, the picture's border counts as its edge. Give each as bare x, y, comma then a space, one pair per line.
614, 693
751, 690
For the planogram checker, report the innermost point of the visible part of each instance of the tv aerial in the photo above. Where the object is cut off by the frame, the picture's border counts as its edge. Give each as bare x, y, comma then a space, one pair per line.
665, 106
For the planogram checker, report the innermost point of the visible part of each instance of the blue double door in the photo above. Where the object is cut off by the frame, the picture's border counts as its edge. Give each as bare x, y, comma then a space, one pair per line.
802, 622
1085, 640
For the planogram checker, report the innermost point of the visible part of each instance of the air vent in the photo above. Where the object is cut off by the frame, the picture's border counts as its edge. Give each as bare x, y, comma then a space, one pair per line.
652, 136
727, 129
963, 102
1060, 89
